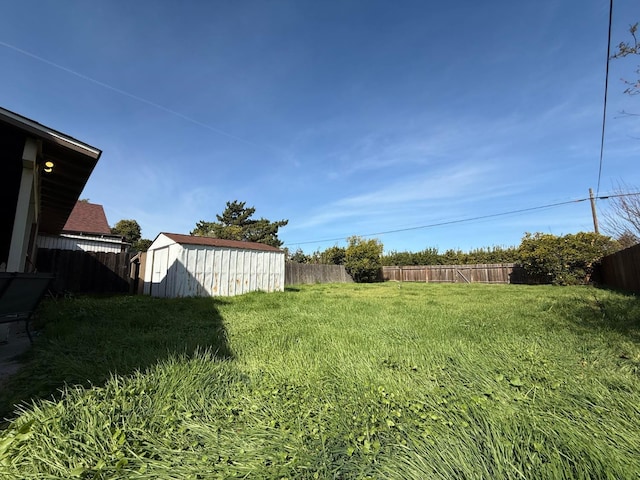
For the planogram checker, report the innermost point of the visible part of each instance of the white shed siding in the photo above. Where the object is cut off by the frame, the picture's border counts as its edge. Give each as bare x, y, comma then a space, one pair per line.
253, 279
181, 270
213, 271
159, 273
246, 271
272, 275
176, 271
209, 277
234, 264
270, 279
161, 269
259, 276
225, 278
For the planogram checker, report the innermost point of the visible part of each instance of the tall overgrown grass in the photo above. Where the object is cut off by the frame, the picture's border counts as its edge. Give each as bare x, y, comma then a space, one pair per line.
333, 381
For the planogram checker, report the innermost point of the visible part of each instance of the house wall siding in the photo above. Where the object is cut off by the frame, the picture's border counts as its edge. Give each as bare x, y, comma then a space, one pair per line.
85, 244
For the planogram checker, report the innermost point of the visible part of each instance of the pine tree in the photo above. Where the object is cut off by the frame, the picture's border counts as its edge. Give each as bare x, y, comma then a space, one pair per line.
235, 223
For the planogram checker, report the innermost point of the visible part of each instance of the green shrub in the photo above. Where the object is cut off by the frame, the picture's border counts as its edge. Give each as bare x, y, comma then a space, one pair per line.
431, 256
333, 255
566, 260
299, 257
362, 259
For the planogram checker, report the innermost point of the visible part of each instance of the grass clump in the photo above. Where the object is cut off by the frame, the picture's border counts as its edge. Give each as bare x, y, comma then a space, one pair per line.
334, 381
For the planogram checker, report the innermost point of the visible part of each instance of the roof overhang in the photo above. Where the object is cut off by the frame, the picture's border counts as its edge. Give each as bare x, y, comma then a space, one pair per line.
73, 163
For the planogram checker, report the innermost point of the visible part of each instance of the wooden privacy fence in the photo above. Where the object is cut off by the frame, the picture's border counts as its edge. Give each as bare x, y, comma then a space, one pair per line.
77, 271
138, 265
622, 269
484, 273
298, 273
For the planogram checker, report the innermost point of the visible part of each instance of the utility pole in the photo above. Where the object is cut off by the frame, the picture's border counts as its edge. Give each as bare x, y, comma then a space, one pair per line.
593, 211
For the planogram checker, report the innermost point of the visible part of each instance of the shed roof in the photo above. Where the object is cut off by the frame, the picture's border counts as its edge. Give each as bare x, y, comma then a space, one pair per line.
218, 242
87, 218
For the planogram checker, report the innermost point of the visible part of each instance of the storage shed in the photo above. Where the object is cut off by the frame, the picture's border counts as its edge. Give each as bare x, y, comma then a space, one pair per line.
186, 266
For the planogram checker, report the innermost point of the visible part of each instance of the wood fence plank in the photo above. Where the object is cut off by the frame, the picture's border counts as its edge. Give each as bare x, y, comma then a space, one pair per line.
481, 273
86, 272
301, 273
622, 269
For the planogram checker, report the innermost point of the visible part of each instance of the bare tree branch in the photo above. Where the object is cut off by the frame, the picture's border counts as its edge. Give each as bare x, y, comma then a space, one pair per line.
622, 218
625, 49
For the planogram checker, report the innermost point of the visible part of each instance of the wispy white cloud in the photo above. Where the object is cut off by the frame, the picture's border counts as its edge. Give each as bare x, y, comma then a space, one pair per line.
412, 193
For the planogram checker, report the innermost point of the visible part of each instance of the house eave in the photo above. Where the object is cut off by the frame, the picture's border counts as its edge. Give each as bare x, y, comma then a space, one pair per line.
73, 162
49, 134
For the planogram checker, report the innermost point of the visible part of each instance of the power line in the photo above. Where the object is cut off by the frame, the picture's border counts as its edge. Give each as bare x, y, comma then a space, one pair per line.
449, 222
606, 89
470, 219
606, 197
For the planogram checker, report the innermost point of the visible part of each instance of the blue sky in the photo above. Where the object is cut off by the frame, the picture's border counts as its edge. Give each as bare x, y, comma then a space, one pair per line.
345, 117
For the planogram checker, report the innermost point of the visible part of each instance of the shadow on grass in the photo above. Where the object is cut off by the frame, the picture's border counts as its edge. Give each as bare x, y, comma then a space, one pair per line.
605, 310
83, 341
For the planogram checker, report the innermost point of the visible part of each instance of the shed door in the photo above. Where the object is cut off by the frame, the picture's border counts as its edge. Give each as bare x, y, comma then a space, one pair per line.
159, 273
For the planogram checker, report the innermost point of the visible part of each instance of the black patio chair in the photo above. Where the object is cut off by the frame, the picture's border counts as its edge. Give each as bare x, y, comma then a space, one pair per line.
20, 294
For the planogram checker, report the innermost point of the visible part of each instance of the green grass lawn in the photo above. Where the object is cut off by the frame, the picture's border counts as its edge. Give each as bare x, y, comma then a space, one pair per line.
407, 381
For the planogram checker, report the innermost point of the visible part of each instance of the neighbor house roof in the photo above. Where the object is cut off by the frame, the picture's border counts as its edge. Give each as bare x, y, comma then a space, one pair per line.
73, 163
87, 218
218, 242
